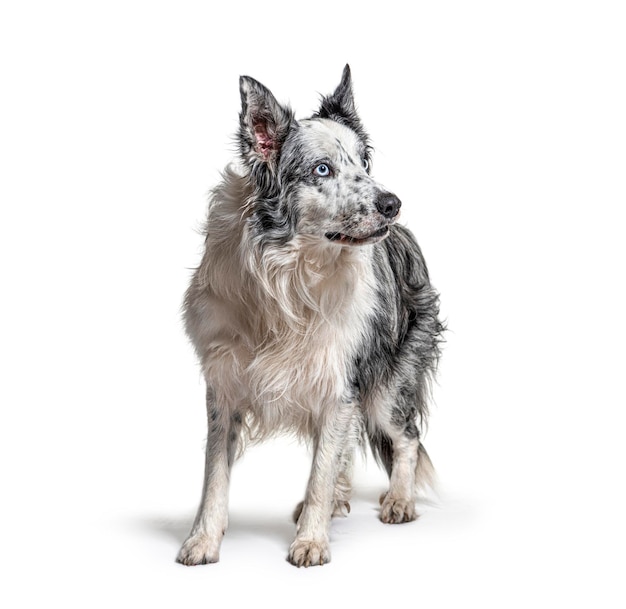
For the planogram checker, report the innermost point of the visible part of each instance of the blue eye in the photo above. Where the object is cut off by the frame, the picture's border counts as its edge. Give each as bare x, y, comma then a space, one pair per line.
366, 164
322, 170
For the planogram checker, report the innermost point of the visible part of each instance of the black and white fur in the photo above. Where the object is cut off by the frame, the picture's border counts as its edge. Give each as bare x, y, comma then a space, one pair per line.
311, 312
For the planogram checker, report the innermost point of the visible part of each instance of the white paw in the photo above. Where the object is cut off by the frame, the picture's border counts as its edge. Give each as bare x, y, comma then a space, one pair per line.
395, 510
306, 553
199, 549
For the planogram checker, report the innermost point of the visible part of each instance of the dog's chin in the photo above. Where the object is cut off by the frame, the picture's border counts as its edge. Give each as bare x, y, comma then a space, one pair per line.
345, 239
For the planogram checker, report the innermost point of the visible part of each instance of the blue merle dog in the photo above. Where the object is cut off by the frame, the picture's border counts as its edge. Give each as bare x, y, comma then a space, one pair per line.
311, 312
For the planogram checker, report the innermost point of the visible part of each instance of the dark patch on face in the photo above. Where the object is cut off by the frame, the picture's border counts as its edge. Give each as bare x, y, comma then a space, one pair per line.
237, 418
214, 414
275, 219
357, 178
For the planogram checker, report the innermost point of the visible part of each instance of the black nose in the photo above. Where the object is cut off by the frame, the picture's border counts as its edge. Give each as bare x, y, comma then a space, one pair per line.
388, 205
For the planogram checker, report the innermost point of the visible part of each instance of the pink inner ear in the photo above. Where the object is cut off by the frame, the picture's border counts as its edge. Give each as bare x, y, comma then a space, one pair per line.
264, 143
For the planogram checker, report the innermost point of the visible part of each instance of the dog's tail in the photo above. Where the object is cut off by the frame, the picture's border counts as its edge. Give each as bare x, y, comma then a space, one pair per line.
425, 475
382, 449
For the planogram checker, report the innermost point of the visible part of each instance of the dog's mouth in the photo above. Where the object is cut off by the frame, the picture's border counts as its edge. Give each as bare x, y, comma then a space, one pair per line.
344, 239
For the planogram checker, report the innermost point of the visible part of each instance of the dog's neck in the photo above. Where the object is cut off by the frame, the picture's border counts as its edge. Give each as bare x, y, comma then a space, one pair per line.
308, 279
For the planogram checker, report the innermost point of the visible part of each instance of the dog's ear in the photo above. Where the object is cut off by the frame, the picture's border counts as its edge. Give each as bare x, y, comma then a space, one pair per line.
264, 124
340, 106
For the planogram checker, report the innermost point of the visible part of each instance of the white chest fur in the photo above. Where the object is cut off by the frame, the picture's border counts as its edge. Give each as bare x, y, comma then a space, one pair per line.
316, 302
283, 346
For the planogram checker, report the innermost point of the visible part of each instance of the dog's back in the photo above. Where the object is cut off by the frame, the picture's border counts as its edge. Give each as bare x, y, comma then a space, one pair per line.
310, 312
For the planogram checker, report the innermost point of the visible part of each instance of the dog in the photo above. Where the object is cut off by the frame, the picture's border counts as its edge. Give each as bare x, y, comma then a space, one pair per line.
311, 313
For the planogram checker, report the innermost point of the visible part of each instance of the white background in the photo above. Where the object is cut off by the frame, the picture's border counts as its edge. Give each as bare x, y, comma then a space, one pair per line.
501, 126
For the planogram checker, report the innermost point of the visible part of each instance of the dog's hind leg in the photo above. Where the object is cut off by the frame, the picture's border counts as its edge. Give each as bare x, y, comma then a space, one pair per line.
410, 467
311, 545
395, 441
203, 544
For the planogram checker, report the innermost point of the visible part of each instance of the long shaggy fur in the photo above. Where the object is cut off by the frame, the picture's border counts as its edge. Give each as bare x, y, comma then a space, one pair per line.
311, 313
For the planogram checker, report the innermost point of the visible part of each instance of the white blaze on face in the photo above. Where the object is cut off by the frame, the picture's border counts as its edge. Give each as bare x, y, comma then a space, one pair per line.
337, 196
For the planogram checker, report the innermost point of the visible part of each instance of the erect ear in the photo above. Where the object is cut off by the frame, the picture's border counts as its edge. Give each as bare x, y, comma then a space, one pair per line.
264, 123
340, 106
341, 102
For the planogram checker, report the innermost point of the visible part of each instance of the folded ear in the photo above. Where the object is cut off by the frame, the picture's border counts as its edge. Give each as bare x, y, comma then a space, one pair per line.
340, 106
263, 124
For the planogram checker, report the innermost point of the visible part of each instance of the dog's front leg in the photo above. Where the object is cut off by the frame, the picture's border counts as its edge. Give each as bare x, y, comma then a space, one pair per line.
311, 545
203, 544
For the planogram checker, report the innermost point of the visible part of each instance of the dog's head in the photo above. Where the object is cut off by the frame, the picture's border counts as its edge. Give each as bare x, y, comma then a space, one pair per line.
312, 177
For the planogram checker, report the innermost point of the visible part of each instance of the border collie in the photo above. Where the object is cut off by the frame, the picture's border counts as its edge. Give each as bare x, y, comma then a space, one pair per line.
311, 313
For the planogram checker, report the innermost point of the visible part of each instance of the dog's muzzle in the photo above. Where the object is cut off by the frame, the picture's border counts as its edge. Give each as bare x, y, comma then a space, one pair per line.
388, 206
